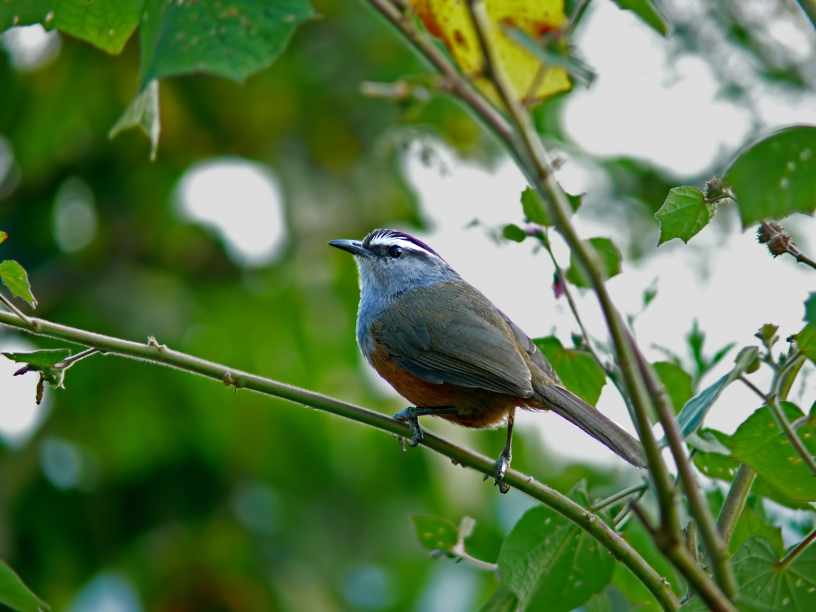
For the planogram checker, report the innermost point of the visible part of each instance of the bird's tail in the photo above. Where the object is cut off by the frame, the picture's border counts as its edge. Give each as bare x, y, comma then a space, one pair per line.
606, 431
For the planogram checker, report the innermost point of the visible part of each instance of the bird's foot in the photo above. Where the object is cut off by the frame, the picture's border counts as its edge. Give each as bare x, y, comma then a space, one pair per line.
408, 415
502, 463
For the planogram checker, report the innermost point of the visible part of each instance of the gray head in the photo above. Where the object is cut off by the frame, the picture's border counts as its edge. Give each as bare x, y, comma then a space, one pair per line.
391, 263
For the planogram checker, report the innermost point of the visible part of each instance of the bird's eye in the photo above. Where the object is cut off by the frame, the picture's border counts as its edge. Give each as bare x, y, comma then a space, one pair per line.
395, 252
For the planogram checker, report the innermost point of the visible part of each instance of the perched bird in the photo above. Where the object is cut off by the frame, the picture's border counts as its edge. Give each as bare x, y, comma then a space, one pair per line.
450, 352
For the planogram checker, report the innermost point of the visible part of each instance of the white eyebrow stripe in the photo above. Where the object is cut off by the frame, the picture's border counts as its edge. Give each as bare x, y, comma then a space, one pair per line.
388, 241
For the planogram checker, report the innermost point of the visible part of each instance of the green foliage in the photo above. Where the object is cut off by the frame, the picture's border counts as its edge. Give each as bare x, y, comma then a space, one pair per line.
606, 252
775, 176
15, 278
766, 583
760, 444
676, 381
684, 213
648, 13
536, 212
577, 370
694, 411
38, 360
550, 562
435, 532
233, 42
15, 594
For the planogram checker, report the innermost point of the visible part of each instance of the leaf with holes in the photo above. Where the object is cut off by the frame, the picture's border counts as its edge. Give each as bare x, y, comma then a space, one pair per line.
552, 564
232, 40
776, 175
531, 79
684, 213
15, 278
578, 371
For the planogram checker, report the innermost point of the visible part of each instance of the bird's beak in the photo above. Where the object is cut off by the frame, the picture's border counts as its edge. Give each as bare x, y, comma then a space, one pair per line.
355, 247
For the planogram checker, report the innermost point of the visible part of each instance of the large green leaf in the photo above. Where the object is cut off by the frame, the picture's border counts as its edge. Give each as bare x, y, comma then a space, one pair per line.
552, 564
232, 40
761, 445
750, 525
776, 176
107, 24
577, 370
762, 581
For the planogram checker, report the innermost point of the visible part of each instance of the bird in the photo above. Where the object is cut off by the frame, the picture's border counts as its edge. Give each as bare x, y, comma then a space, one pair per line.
447, 349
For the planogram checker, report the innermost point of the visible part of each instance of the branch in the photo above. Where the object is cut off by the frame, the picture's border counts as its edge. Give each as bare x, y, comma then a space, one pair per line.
156, 353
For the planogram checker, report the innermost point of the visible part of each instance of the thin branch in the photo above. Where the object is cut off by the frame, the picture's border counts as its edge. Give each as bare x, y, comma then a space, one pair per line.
795, 552
612, 499
154, 352
10, 305
809, 9
697, 505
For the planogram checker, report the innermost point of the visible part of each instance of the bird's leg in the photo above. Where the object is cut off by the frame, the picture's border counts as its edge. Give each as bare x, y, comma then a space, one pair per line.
503, 462
410, 415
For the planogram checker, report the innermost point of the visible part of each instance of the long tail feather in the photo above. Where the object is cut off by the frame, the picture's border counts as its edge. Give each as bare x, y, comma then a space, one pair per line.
606, 431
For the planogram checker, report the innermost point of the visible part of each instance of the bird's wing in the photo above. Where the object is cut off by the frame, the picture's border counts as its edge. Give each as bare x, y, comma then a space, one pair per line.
445, 341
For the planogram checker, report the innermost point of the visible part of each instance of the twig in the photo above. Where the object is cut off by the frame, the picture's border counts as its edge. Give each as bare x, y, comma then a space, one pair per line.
795, 552
735, 502
160, 354
612, 499
10, 305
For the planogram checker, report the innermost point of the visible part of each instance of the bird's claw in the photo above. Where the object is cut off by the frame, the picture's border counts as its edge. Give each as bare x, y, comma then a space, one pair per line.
413, 422
502, 463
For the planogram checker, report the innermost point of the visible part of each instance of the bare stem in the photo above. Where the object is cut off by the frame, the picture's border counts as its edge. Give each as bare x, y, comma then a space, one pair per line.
735, 502
10, 305
795, 552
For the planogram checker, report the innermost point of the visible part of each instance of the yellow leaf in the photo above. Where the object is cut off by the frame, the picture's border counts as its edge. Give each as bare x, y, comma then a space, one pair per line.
531, 79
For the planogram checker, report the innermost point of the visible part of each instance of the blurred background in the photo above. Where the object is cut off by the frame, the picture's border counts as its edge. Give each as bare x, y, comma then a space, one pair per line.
142, 488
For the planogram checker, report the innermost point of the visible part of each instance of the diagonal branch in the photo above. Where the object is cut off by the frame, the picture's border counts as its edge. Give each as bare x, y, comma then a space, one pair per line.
160, 354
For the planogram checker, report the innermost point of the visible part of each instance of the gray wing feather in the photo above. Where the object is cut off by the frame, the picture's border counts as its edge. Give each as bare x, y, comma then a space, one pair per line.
448, 344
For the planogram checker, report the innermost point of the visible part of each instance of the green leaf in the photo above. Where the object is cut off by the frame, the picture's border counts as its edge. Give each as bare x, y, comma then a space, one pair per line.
536, 212
502, 600
577, 370
15, 594
3, 236
648, 13
623, 578
763, 582
514, 233
695, 410
677, 382
750, 525
551, 55
717, 465
552, 564
810, 307
435, 532
761, 445
231, 40
776, 175
533, 208
45, 358
142, 113
806, 341
684, 213
767, 333
15, 278
104, 24
608, 256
